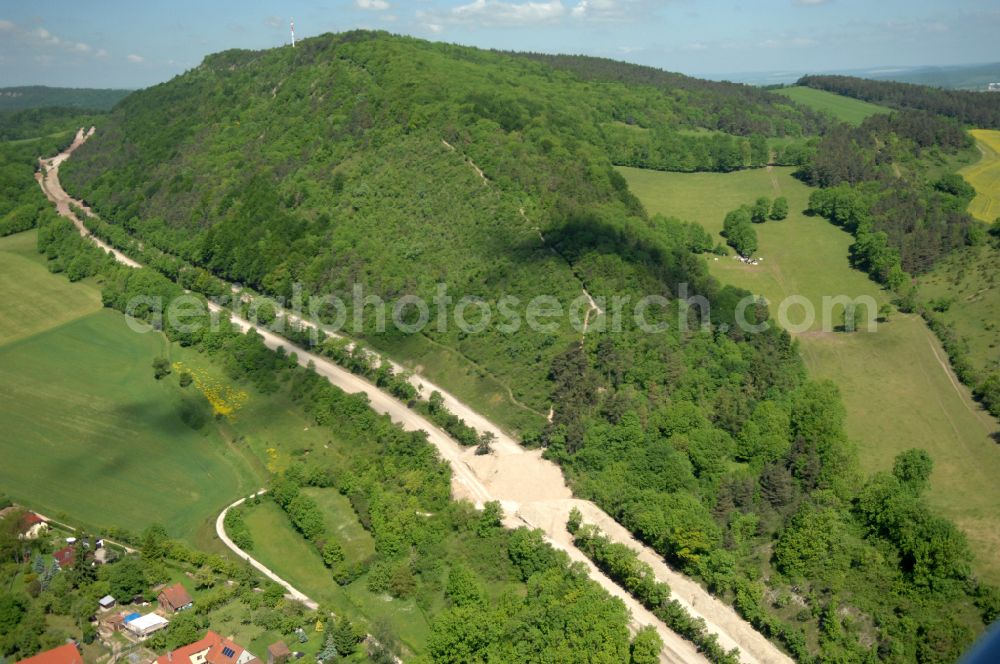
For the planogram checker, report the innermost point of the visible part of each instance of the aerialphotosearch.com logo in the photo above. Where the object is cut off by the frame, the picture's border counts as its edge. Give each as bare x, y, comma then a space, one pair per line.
412, 314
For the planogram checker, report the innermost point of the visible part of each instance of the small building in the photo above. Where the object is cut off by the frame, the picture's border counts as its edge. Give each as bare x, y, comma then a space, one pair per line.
143, 626
174, 598
66, 557
213, 649
278, 653
106, 602
64, 654
32, 526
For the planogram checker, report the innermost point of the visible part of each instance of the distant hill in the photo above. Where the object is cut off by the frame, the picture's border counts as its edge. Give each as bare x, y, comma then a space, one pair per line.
957, 77
40, 96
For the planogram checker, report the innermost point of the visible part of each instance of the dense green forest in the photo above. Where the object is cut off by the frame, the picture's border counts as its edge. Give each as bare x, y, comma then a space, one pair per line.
347, 160
974, 108
40, 96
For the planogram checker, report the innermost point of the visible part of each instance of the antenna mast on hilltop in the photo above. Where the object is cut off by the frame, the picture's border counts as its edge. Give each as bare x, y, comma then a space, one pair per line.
292, 27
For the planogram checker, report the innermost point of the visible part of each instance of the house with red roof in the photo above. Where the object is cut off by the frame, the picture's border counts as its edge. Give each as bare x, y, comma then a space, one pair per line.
64, 654
213, 649
66, 557
174, 598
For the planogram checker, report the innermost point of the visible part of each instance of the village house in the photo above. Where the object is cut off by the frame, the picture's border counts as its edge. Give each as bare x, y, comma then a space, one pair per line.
174, 598
64, 654
65, 557
143, 626
212, 649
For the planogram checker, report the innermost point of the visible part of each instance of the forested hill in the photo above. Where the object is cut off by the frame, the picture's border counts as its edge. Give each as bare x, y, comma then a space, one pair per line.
400, 164
730, 107
346, 159
978, 109
40, 96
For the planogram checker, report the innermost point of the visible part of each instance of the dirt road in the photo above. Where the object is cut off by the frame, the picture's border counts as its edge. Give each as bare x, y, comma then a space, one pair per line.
532, 490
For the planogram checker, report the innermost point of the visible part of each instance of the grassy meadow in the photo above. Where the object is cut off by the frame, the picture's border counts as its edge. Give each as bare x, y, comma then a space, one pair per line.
846, 109
967, 283
897, 387
984, 175
279, 546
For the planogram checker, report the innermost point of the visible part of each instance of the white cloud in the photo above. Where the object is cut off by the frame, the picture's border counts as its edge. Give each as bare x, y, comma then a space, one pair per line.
45, 36
137, 59
274, 22
6, 26
377, 5
81, 47
494, 12
518, 13
810, 3
101, 53
611, 10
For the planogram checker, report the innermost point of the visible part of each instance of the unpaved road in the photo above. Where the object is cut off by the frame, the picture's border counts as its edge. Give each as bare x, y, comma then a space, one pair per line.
532, 490
220, 530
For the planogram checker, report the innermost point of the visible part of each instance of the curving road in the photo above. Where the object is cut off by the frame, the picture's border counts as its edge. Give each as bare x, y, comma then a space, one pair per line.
220, 530
532, 490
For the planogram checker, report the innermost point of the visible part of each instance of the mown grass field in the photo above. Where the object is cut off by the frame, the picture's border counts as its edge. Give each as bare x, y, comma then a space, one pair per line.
897, 387
88, 433
34, 300
847, 109
984, 175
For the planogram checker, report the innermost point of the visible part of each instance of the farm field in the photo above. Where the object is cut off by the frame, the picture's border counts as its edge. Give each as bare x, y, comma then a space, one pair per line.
897, 387
847, 109
984, 175
105, 444
33, 299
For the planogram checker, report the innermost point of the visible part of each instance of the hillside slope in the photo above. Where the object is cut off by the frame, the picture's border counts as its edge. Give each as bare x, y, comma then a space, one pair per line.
398, 164
264, 166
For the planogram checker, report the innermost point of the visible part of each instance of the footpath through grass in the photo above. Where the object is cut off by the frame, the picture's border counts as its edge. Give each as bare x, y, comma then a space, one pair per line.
897, 387
847, 109
984, 175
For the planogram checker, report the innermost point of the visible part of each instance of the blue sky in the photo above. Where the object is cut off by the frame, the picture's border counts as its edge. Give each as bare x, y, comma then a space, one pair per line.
112, 43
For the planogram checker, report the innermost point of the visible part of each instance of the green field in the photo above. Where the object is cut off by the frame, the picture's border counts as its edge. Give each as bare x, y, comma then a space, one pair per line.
283, 549
847, 109
897, 386
984, 175
34, 300
967, 282
88, 434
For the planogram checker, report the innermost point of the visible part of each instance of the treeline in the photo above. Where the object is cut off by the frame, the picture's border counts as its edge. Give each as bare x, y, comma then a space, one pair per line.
873, 184
669, 150
622, 564
979, 109
22, 202
237, 529
743, 110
